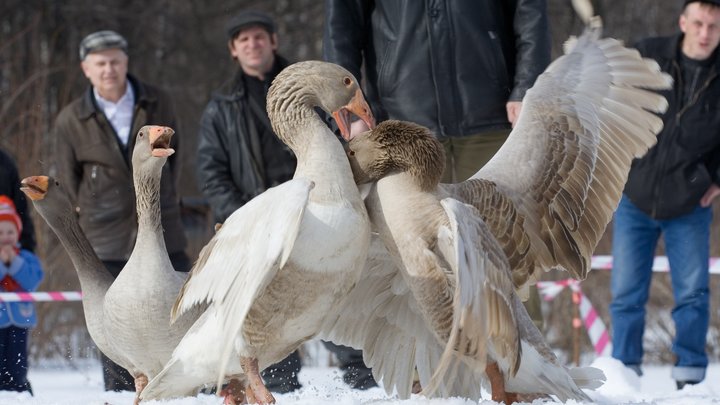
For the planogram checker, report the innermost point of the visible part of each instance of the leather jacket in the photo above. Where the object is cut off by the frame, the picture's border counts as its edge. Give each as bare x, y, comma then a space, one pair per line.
449, 65
96, 171
230, 165
672, 177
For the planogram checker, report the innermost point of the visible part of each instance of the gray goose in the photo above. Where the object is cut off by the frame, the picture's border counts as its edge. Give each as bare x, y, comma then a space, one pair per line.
134, 308
287, 258
542, 202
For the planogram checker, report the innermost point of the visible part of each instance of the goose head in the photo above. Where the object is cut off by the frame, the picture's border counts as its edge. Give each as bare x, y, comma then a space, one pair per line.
303, 86
39, 189
397, 146
152, 148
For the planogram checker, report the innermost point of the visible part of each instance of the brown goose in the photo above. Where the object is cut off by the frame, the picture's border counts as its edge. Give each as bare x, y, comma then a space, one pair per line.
543, 201
283, 261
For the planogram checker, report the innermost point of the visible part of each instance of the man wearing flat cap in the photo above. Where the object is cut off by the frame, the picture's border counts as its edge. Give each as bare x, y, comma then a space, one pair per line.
93, 140
669, 192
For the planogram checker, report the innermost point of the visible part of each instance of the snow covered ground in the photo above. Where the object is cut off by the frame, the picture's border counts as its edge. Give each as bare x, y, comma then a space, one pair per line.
324, 386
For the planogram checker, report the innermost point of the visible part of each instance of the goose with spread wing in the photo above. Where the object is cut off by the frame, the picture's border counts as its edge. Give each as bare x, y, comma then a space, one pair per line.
465, 250
287, 258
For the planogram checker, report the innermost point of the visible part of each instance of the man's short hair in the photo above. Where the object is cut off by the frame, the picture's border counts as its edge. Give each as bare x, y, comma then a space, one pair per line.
101, 40
715, 3
247, 19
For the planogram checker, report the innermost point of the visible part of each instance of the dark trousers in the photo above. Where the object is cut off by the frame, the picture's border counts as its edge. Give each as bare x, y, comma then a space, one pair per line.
355, 373
282, 377
13, 359
115, 377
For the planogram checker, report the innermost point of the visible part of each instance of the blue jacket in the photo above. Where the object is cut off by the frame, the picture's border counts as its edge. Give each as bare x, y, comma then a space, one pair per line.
28, 273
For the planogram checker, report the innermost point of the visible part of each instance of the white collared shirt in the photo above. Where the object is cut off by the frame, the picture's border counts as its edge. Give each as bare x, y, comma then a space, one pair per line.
119, 114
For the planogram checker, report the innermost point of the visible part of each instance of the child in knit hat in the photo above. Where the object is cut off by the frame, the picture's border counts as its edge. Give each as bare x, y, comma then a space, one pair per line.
20, 271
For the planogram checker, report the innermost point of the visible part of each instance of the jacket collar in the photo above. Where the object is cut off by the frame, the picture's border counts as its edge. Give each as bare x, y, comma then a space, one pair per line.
234, 89
88, 106
671, 49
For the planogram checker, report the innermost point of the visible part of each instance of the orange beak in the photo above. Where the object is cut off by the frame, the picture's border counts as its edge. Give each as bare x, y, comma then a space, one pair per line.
35, 187
357, 106
160, 140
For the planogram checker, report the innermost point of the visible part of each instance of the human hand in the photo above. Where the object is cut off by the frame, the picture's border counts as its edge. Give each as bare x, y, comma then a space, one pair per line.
710, 195
513, 111
7, 254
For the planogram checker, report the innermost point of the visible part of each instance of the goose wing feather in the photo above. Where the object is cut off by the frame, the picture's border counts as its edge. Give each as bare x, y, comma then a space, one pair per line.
244, 256
483, 302
587, 117
382, 317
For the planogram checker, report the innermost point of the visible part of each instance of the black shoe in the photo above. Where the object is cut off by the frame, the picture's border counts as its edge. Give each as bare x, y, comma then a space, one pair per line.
359, 378
282, 377
680, 384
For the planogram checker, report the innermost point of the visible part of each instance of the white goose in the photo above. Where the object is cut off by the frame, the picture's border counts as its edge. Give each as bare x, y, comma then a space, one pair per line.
283, 261
542, 202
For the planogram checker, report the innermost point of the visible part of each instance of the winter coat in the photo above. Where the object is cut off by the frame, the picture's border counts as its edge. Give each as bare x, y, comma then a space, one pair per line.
672, 177
450, 65
230, 158
26, 273
95, 169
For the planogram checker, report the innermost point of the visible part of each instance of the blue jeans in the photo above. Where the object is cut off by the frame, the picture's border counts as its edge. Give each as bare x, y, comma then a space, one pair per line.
687, 245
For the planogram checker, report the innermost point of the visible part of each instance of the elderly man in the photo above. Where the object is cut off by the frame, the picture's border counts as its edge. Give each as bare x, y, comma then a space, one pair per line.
669, 192
93, 139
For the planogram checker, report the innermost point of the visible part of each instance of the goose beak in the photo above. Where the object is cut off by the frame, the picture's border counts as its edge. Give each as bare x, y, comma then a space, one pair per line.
35, 187
357, 106
160, 140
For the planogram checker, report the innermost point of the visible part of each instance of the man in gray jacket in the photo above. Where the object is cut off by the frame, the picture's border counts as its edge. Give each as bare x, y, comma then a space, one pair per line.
93, 141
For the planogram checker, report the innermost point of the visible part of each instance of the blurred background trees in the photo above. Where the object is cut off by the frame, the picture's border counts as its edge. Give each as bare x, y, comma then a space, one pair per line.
180, 46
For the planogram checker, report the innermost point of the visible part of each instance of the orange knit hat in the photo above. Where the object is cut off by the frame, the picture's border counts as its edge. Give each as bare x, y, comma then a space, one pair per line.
8, 212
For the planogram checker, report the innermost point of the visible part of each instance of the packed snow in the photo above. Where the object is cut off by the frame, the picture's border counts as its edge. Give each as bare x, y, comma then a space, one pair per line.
324, 386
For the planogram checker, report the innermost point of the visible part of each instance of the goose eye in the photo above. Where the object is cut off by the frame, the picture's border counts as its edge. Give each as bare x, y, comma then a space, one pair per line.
351, 152
347, 81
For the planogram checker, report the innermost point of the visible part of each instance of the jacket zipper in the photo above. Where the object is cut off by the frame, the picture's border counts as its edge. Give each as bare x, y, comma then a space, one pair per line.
675, 122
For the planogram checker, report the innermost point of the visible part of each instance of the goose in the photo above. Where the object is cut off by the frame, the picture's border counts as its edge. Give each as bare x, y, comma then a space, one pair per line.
282, 262
465, 253
53, 204
131, 314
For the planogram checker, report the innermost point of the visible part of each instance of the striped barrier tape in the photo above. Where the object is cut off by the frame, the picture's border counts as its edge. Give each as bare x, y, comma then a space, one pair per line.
41, 296
660, 264
598, 263
595, 327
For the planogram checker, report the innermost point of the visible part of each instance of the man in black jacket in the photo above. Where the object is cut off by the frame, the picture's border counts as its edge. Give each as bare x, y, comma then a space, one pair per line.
669, 191
239, 156
458, 67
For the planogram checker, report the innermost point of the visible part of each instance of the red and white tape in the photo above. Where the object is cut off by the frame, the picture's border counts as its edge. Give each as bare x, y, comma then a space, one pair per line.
595, 327
660, 264
41, 296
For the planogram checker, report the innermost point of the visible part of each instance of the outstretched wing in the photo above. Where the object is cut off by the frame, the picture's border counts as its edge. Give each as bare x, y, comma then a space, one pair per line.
551, 189
382, 317
245, 255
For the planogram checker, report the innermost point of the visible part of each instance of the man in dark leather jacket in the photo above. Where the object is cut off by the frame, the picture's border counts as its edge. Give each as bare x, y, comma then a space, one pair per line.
460, 67
669, 191
239, 156
94, 138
